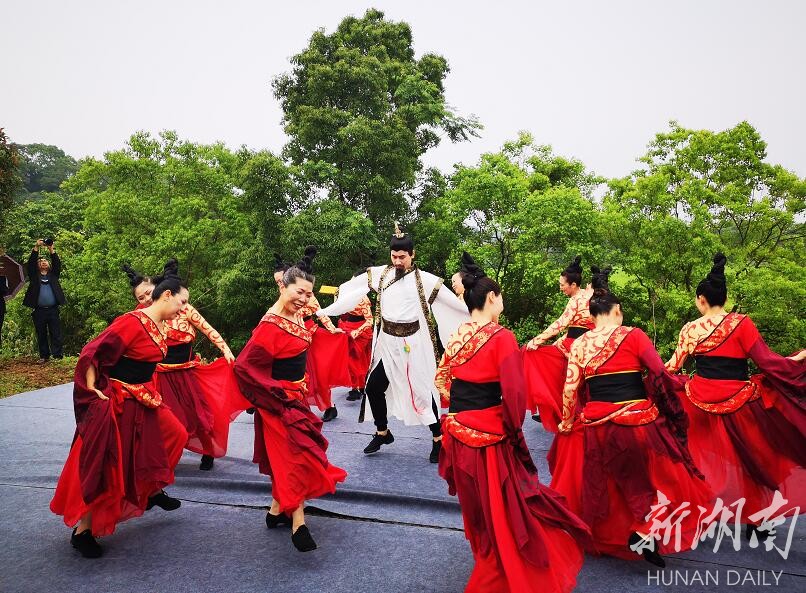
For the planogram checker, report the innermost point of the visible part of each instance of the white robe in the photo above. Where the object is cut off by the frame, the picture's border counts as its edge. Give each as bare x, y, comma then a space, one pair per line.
411, 373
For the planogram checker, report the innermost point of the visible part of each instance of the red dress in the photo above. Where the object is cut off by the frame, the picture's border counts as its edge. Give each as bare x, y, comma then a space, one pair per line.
327, 358
289, 445
204, 397
522, 535
747, 433
360, 348
628, 443
545, 367
125, 448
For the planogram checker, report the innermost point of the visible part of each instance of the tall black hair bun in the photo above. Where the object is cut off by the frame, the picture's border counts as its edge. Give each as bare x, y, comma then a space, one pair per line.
575, 267
306, 263
717, 273
470, 271
600, 278
171, 267
134, 278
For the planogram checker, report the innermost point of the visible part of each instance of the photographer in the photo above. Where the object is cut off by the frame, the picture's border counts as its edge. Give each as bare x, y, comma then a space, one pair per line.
3, 292
44, 295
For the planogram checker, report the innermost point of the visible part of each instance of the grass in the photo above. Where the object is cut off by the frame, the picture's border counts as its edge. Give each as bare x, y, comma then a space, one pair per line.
26, 374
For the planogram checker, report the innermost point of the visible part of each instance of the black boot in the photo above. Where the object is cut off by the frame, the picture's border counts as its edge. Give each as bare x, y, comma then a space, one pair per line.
354, 395
206, 463
250, 411
163, 501
273, 521
378, 440
302, 539
435, 449
649, 552
86, 544
330, 414
536, 417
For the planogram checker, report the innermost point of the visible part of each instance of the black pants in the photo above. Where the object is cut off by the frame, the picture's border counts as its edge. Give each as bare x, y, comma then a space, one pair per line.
2, 315
46, 321
377, 384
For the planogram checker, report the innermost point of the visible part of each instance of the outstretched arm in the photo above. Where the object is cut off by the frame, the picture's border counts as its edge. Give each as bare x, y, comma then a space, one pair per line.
557, 327
350, 294
208, 330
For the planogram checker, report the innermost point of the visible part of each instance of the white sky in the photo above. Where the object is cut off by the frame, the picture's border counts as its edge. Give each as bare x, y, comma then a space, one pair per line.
595, 79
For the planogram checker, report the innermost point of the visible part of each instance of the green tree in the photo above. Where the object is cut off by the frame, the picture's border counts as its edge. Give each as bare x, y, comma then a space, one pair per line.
361, 110
10, 179
43, 168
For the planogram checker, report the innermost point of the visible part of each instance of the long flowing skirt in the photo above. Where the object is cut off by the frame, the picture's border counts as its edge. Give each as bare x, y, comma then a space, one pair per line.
150, 442
516, 540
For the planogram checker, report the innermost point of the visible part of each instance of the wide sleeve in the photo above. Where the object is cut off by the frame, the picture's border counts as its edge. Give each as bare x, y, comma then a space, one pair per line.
783, 374
313, 307
204, 327
253, 372
573, 380
513, 395
675, 363
449, 313
442, 380
559, 325
350, 294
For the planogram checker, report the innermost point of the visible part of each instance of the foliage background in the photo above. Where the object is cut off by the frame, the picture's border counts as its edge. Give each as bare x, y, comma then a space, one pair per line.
360, 111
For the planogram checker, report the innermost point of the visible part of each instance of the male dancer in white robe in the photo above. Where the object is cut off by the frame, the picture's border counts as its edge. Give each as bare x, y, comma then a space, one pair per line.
404, 359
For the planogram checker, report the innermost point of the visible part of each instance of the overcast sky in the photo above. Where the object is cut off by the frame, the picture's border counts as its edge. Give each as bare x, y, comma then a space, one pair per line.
595, 79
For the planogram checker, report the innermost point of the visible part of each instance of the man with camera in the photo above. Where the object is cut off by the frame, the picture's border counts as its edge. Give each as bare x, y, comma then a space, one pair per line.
44, 296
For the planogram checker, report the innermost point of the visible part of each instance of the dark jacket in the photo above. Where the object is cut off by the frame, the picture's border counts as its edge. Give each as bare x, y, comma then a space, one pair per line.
32, 267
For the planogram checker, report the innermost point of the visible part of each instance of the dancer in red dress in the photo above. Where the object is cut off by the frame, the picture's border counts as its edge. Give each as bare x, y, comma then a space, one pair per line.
329, 352
747, 432
126, 443
289, 445
628, 445
358, 325
522, 535
204, 397
545, 364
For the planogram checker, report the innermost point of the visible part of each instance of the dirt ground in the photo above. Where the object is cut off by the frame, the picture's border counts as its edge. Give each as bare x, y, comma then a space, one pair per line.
26, 374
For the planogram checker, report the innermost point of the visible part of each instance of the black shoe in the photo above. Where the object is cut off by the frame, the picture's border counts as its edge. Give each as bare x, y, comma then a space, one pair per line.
302, 539
163, 501
435, 449
378, 440
250, 410
354, 395
536, 417
206, 463
86, 544
649, 553
330, 414
273, 521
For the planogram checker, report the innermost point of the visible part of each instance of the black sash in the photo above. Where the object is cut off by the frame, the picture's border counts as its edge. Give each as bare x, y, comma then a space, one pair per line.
616, 387
721, 367
575, 331
133, 371
348, 317
290, 369
466, 395
179, 353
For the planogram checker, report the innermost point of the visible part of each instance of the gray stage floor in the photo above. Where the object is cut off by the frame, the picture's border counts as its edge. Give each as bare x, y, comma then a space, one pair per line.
390, 527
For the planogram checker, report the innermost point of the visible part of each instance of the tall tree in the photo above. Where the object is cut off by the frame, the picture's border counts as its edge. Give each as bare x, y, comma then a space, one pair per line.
43, 168
361, 110
10, 180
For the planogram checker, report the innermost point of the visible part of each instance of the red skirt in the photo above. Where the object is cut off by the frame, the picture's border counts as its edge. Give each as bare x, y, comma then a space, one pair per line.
544, 371
326, 367
134, 478
516, 536
751, 451
200, 396
359, 353
611, 474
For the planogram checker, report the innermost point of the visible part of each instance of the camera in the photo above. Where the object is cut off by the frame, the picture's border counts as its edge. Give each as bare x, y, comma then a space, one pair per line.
48, 242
